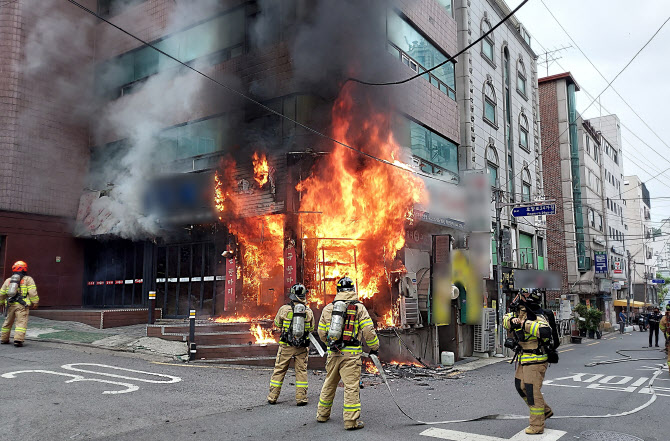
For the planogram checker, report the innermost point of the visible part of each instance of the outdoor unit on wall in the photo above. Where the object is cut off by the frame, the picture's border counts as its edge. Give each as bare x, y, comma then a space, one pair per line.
485, 333
409, 301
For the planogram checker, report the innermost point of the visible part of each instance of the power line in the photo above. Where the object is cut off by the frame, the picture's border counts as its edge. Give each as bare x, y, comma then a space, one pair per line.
252, 100
452, 58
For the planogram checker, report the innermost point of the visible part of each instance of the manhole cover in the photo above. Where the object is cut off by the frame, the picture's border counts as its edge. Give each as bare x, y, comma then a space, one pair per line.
598, 435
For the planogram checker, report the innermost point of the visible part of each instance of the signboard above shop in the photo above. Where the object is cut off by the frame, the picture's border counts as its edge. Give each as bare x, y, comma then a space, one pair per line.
534, 210
600, 259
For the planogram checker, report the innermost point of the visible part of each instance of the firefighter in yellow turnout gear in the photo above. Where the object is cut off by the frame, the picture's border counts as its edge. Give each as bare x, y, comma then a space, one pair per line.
532, 331
296, 321
18, 294
664, 326
344, 325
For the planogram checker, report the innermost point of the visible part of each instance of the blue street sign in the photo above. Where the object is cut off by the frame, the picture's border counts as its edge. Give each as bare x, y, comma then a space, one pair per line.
534, 210
600, 258
661, 281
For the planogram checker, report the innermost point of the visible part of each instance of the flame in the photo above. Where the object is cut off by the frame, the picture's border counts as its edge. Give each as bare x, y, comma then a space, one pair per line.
239, 319
406, 363
262, 336
261, 169
370, 368
221, 194
363, 203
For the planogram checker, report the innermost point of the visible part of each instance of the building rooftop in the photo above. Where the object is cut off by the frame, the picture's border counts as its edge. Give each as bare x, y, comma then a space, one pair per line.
565, 75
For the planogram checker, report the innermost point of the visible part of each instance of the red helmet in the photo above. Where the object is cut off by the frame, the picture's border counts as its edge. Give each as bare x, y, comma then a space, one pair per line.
20, 267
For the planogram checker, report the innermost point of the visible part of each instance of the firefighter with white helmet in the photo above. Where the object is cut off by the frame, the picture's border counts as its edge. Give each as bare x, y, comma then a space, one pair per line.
345, 324
296, 321
18, 294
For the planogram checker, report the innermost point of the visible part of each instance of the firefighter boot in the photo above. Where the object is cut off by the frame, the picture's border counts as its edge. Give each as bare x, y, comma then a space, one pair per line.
354, 425
274, 394
534, 431
18, 344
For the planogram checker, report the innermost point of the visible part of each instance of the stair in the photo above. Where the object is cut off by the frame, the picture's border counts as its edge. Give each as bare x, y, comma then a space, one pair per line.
226, 343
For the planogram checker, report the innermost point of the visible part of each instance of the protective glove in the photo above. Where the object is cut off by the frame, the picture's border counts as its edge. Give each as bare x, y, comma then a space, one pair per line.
374, 352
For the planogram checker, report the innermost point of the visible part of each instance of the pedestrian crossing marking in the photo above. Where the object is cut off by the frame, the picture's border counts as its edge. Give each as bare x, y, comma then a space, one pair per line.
453, 435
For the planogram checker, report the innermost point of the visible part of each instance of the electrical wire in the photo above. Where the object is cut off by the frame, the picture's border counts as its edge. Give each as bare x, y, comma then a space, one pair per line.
452, 58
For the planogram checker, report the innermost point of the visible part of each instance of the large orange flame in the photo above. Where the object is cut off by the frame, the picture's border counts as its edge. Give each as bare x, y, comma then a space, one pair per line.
240, 319
261, 168
262, 336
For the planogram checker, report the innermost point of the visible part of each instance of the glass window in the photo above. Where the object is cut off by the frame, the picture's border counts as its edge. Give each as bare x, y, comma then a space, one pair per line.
526, 186
191, 139
588, 144
489, 103
523, 131
521, 76
437, 153
493, 174
600, 222
488, 43
510, 176
421, 53
448, 5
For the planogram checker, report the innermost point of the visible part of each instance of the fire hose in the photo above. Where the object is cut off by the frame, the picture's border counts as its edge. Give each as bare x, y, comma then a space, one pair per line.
653, 397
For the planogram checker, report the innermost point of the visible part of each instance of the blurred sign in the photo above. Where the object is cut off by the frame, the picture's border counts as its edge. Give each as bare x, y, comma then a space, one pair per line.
534, 210
605, 285
616, 285
600, 260
536, 279
658, 281
617, 268
231, 281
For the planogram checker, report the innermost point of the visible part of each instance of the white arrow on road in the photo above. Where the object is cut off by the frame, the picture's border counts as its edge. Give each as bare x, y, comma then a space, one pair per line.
548, 435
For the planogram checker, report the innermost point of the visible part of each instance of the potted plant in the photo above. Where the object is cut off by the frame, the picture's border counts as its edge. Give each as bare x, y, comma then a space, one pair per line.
593, 317
582, 323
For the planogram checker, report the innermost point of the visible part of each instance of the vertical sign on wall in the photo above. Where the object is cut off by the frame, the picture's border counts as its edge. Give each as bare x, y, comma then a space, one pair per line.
289, 268
231, 280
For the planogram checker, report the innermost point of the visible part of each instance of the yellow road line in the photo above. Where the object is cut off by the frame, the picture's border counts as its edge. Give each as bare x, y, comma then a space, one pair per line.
560, 352
591, 344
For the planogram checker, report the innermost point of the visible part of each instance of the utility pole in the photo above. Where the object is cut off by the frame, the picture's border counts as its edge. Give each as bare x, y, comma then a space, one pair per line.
499, 250
630, 288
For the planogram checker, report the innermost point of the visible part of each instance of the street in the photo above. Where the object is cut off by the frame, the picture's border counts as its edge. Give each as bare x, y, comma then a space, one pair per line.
70, 392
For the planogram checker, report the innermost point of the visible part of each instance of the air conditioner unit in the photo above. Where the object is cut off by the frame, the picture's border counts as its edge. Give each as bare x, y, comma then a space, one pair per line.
485, 333
408, 286
409, 311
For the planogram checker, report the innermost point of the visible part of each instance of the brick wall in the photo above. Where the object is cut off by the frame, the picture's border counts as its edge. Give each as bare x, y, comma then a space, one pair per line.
551, 163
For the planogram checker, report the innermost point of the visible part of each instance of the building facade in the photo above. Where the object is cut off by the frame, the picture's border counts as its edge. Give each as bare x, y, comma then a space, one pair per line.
640, 238
498, 97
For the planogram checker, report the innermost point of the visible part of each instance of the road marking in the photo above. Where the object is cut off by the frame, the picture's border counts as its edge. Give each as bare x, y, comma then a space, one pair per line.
78, 378
170, 378
434, 432
567, 350
591, 344
615, 383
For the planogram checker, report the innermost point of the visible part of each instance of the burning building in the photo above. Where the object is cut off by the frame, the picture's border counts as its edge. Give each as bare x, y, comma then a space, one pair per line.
220, 202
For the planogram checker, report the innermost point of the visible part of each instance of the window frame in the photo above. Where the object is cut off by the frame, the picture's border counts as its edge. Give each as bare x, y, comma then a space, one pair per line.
524, 129
522, 73
493, 162
526, 184
492, 101
484, 27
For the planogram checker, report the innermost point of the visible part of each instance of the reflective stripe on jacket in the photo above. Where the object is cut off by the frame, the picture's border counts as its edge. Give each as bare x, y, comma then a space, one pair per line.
531, 336
27, 288
285, 317
364, 330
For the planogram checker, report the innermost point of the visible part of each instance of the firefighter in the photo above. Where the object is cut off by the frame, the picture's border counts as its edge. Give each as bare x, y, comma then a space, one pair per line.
532, 332
296, 321
17, 294
665, 329
344, 325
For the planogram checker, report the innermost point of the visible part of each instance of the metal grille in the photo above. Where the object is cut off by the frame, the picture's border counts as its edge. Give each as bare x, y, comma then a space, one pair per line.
597, 435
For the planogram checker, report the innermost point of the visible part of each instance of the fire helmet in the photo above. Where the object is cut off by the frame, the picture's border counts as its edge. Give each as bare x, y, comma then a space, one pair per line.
20, 267
345, 284
298, 292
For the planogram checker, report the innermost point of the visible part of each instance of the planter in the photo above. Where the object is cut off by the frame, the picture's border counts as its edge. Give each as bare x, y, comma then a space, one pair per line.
592, 334
576, 340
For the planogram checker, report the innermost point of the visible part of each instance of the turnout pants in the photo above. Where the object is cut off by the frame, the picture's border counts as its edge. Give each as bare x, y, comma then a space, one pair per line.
348, 369
284, 356
16, 314
528, 381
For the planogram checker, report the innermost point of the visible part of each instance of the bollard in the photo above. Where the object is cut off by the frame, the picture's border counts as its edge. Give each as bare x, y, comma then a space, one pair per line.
191, 335
152, 306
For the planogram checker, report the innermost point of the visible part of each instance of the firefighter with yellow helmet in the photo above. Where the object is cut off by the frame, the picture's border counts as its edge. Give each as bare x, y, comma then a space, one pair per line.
664, 326
17, 294
296, 322
532, 333
344, 325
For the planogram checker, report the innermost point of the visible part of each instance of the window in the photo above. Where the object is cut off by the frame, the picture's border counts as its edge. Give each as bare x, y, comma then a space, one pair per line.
437, 154
492, 164
525, 185
596, 153
415, 51
600, 222
108, 8
488, 43
588, 144
523, 131
521, 77
448, 5
608, 203
615, 156
220, 39
490, 103
192, 139
592, 218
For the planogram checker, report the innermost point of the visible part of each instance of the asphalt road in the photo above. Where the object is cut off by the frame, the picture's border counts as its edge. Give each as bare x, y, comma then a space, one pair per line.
56, 400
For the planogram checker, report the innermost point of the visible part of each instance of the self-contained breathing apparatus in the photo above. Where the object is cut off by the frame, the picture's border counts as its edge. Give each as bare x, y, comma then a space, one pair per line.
343, 325
295, 335
14, 294
533, 309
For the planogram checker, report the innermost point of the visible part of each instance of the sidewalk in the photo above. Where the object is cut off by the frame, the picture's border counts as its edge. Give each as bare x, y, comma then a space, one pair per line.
125, 338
